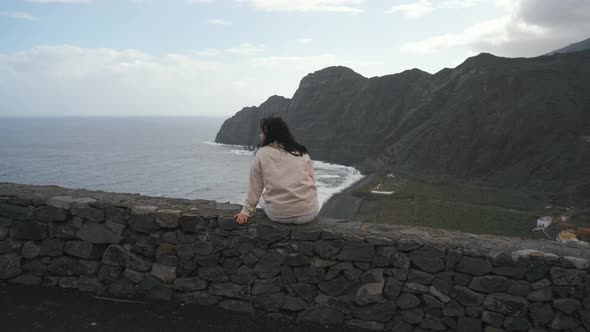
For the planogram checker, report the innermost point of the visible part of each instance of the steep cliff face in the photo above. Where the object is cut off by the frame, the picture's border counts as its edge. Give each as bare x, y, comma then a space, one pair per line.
521, 123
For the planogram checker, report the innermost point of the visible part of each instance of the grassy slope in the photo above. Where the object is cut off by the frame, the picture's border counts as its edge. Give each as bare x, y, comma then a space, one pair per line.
452, 206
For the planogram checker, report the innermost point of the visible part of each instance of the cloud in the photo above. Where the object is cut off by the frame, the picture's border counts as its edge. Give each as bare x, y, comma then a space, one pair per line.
208, 52
199, 1
17, 15
76, 81
304, 41
528, 28
218, 22
247, 49
413, 10
59, 1
421, 8
337, 6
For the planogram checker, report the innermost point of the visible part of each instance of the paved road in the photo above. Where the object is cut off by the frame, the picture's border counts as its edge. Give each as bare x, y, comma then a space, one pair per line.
27, 308
344, 205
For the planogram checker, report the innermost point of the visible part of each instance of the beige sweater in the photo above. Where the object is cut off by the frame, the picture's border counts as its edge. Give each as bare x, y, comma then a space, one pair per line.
286, 182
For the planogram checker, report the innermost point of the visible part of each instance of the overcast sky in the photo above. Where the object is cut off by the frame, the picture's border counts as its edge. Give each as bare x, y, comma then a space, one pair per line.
213, 57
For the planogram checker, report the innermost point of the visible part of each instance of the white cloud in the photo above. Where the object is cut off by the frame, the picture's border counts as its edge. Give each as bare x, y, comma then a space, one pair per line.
58, 1
528, 28
198, 1
339, 6
218, 22
17, 15
208, 52
413, 10
247, 49
76, 81
304, 41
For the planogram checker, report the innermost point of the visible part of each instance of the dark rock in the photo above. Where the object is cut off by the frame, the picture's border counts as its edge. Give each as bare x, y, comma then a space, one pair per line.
492, 318
189, 284
50, 214
296, 260
266, 269
97, 233
52, 247
568, 306
35, 267
268, 302
83, 249
517, 324
412, 316
356, 251
291, 304
383, 256
420, 277
506, 304
228, 289
26, 279
467, 324
380, 312
327, 249
407, 301
519, 289
88, 284
68, 266
263, 286
543, 294
68, 282
567, 277
122, 287
193, 223
212, 273
88, 212
30, 250
30, 230
454, 311
370, 293
433, 323
305, 291
237, 306
536, 271
432, 302
115, 214
117, 256
309, 275
321, 314
407, 245
490, 284
165, 273
334, 303
305, 235
155, 289
65, 232
166, 218
142, 219
564, 322
372, 276
108, 273
16, 212
268, 234
428, 258
514, 271
366, 325
453, 257
339, 286
467, 297
412, 287
9, 266
4, 233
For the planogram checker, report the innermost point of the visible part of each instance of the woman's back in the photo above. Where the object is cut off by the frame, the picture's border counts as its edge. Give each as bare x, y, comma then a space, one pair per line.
289, 182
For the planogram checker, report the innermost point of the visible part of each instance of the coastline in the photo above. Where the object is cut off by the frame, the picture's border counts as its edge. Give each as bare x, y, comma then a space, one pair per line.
344, 204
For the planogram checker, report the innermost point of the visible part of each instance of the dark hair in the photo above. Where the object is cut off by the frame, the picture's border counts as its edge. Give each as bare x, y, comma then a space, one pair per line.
276, 130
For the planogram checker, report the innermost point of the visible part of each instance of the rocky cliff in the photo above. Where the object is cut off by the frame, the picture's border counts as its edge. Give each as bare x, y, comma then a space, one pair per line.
521, 123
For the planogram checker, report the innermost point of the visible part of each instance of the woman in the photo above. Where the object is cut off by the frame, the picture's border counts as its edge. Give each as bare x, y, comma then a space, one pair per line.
283, 173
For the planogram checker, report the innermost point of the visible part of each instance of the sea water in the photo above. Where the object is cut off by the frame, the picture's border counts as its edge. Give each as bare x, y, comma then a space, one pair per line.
156, 156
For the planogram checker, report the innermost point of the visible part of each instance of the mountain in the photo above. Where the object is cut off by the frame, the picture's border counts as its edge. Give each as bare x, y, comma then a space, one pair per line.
575, 47
518, 123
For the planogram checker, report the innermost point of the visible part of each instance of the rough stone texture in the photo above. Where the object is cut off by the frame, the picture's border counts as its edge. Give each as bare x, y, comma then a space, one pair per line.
374, 277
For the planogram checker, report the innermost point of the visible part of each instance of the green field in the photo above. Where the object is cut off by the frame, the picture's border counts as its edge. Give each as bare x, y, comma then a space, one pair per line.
452, 206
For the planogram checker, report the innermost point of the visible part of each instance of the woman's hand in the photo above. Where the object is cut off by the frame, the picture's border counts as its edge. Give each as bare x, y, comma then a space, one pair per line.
241, 218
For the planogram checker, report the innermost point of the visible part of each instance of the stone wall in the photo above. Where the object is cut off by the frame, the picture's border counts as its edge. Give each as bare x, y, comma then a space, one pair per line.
370, 276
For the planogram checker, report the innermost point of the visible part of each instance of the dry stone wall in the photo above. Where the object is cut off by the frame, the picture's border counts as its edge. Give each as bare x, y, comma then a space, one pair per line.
333, 272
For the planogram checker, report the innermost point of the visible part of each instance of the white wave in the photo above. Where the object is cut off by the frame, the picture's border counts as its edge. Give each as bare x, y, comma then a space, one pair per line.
324, 193
327, 176
243, 152
222, 144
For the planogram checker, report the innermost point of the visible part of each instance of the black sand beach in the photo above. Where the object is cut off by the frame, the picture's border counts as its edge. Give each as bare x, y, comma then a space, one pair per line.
344, 205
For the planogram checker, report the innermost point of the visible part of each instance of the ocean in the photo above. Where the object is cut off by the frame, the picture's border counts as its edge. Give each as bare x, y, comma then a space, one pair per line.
155, 156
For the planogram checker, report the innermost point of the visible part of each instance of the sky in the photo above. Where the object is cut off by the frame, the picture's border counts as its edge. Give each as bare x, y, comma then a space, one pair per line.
214, 57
